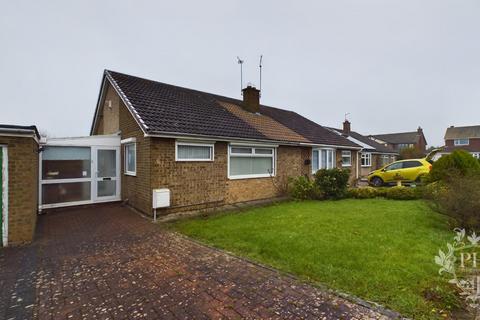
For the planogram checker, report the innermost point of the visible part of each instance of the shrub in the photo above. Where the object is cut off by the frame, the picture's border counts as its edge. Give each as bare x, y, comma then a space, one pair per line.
363, 193
302, 188
457, 164
332, 182
458, 197
403, 193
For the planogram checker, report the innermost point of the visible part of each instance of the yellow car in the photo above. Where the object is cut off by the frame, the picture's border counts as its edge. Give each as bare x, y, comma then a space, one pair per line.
410, 170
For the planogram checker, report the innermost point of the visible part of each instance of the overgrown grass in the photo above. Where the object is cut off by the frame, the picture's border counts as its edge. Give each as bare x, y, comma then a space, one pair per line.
380, 250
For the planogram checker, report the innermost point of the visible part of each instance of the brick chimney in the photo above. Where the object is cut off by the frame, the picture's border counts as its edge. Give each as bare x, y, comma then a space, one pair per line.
419, 130
251, 99
346, 127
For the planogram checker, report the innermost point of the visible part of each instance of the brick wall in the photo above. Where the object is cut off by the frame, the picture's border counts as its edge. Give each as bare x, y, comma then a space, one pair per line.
192, 184
136, 189
109, 114
22, 188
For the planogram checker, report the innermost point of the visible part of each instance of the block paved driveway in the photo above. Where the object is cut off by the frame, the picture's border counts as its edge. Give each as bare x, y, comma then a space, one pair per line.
107, 262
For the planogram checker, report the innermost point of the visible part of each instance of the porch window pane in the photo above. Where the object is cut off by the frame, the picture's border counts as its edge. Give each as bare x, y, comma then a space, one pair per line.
65, 192
107, 163
106, 188
66, 163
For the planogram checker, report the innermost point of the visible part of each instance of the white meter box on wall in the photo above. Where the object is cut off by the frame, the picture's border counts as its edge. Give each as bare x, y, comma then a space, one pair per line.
161, 198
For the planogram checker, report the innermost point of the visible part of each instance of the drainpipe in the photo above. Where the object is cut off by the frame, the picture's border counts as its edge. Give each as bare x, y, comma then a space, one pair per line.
358, 158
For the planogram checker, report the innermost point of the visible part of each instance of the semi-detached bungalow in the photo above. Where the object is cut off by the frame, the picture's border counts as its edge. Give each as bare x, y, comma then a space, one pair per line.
201, 150
209, 150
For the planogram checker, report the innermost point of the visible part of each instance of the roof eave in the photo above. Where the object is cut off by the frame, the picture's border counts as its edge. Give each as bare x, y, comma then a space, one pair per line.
107, 77
175, 135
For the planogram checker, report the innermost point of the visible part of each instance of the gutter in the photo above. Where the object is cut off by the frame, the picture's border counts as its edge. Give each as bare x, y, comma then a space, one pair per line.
19, 133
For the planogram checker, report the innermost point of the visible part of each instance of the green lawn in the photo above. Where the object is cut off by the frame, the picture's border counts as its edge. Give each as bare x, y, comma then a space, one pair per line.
380, 250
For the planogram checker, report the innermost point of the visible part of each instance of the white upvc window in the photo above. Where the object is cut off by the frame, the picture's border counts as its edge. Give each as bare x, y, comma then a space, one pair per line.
251, 161
476, 155
461, 142
192, 151
366, 159
346, 158
323, 159
130, 158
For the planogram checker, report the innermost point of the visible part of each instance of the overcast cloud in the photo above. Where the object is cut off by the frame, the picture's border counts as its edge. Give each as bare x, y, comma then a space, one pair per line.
393, 65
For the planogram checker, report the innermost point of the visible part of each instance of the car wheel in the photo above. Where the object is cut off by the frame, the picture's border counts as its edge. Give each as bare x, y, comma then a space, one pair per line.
376, 181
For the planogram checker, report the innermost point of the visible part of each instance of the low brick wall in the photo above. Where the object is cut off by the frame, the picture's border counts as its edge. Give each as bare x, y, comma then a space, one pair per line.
22, 188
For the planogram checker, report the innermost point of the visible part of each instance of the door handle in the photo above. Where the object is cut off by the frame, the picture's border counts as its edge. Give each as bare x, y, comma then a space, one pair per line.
106, 179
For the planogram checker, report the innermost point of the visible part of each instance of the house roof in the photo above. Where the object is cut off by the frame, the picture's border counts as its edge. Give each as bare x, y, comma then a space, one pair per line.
462, 132
396, 138
162, 109
16, 129
367, 143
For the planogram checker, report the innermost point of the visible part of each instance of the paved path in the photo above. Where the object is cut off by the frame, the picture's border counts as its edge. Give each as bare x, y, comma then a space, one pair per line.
107, 262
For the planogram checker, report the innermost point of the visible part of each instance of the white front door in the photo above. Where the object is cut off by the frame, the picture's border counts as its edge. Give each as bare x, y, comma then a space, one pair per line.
106, 178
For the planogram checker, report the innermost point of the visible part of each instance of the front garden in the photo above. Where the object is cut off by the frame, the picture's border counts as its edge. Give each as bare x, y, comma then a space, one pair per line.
378, 249
375, 243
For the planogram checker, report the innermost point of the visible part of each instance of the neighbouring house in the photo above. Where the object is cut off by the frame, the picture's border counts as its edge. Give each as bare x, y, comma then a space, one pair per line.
373, 155
403, 140
462, 138
19, 147
206, 150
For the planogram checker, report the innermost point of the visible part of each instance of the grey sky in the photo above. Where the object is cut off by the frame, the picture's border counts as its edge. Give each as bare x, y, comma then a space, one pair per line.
393, 65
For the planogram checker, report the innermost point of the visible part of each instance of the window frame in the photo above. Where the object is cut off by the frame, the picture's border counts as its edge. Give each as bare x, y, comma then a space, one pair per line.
368, 156
476, 155
273, 155
125, 147
349, 156
319, 164
195, 144
457, 142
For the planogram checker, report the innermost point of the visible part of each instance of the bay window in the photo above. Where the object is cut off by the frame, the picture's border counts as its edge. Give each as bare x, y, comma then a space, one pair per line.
323, 159
250, 162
